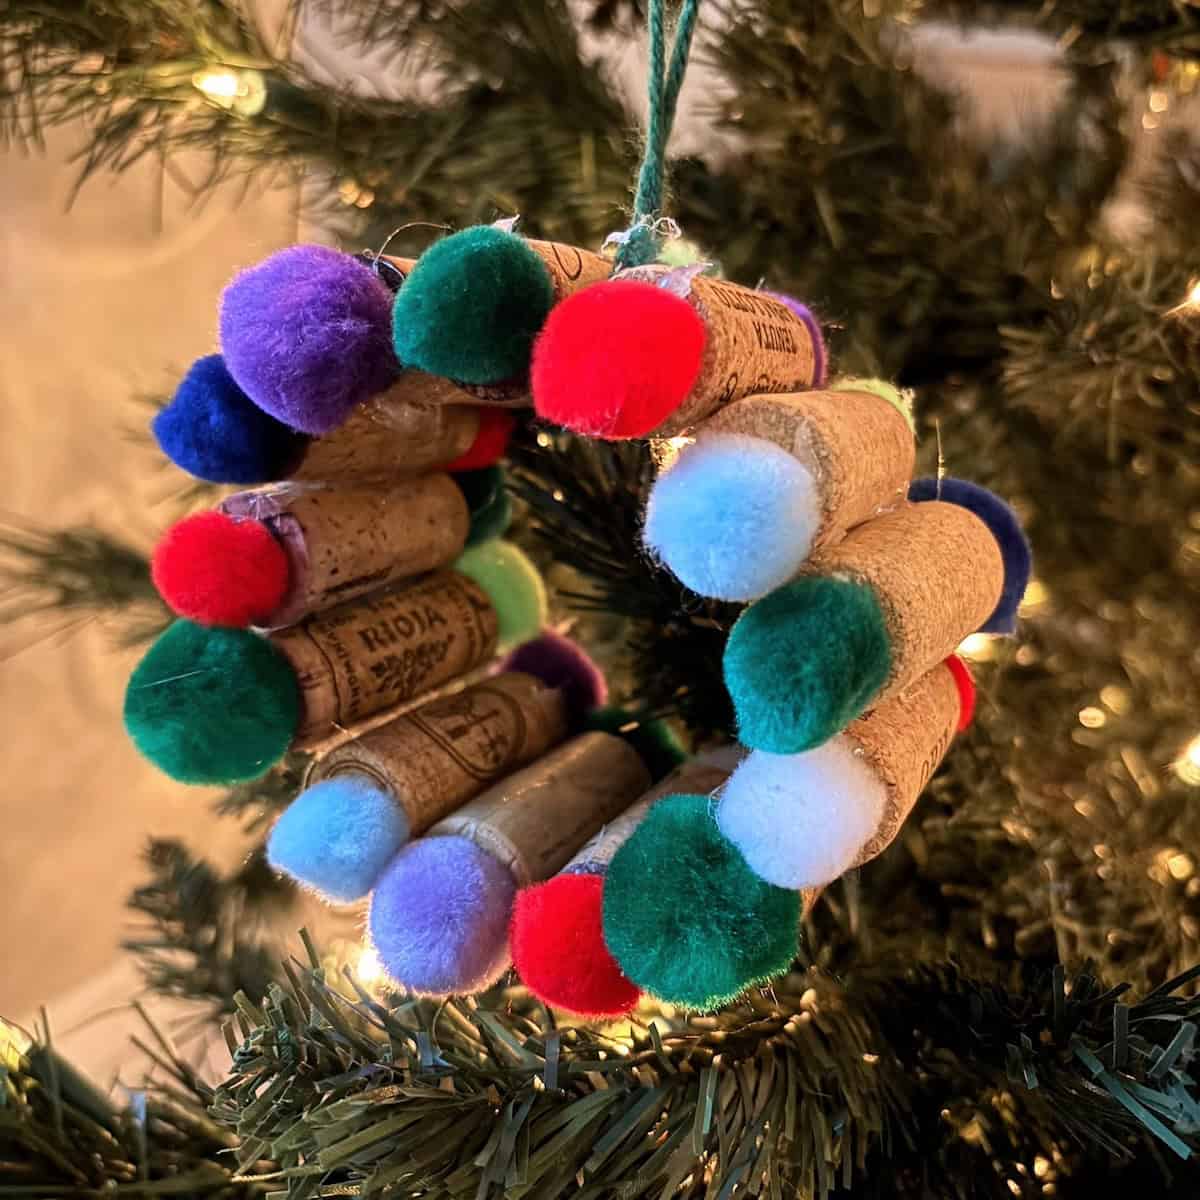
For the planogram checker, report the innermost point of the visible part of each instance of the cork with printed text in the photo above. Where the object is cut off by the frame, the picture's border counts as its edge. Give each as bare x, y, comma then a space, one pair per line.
756, 345
436, 757
936, 571
386, 648
699, 776
904, 739
536, 819
858, 448
342, 543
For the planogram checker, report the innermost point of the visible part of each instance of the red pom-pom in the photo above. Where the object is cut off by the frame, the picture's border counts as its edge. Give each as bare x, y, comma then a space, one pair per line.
559, 951
495, 427
616, 359
217, 570
966, 690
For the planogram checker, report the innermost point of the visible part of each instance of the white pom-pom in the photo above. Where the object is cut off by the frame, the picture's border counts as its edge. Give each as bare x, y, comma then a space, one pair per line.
800, 820
734, 518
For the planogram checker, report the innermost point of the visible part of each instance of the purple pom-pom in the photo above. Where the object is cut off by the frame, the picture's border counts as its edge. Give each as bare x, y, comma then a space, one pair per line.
561, 663
307, 334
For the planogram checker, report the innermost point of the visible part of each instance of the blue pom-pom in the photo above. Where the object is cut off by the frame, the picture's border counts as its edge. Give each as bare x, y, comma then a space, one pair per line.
214, 431
1006, 529
338, 836
800, 820
734, 517
439, 916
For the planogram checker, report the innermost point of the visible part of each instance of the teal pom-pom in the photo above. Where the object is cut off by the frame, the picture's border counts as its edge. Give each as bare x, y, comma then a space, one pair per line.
472, 306
685, 917
212, 705
487, 499
513, 585
805, 661
653, 739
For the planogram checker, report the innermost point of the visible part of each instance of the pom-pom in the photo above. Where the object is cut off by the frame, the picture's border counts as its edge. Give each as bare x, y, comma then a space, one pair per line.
306, 333
212, 705
1006, 529
686, 918
561, 663
214, 431
488, 502
616, 359
491, 441
338, 836
512, 584
559, 952
734, 517
217, 570
800, 820
439, 916
472, 306
653, 739
804, 661
964, 681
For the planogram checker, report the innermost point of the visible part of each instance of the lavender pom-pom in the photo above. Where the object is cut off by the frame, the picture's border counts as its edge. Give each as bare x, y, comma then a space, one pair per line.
307, 334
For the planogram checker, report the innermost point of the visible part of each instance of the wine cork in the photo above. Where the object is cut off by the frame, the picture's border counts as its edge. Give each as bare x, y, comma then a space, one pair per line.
406, 430
434, 758
858, 448
344, 543
698, 776
904, 739
936, 571
535, 820
378, 651
757, 343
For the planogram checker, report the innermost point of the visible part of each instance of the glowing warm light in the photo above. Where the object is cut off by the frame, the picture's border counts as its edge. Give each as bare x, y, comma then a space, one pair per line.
218, 85
666, 450
1036, 595
14, 1043
1187, 766
370, 969
1191, 301
978, 647
1092, 717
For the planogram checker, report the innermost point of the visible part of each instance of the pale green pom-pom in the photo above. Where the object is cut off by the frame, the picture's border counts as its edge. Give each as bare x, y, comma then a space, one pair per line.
513, 585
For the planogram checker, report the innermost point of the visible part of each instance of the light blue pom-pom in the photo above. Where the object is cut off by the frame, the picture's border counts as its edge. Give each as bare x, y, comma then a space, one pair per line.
734, 517
800, 820
338, 836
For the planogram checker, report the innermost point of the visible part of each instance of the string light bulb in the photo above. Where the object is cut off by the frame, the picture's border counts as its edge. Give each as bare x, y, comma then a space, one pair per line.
241, 90
1187, 766
978, 647
369, 970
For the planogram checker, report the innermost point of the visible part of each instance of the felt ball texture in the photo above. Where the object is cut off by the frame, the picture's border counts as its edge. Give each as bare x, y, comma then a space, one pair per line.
684, 915
218, 570
472, 306
800, 820
653, 739
513, 585
440, 914
804, 661
964, 681
487, 501
616, 359
338, 836
491, 441
1006, 529
214, 431
558, 948
306, 334
212, 705
561, 663
734, 516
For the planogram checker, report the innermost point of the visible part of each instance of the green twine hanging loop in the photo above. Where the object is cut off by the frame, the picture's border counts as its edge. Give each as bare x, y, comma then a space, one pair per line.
640, 243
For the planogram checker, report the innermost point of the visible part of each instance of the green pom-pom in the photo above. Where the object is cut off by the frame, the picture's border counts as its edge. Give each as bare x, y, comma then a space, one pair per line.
653, 739
902, 402
487, 499
686, 918
472, 307
804, 661
212, 705
513, 585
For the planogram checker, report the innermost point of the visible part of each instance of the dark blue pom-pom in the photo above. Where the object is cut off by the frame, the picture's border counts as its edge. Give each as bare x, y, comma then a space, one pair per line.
1006, 529
214, 431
